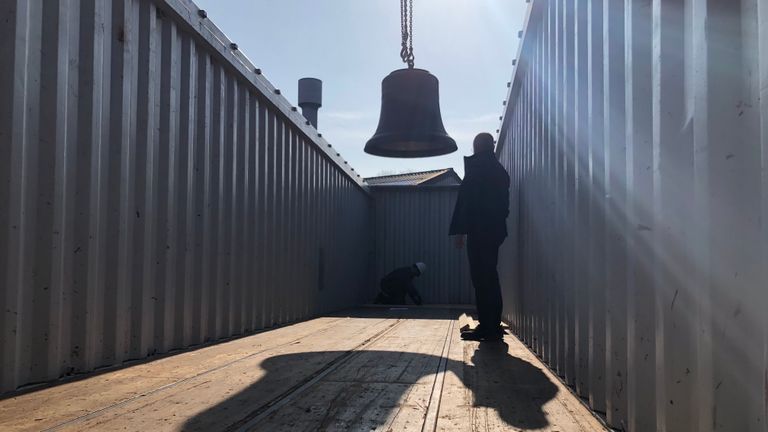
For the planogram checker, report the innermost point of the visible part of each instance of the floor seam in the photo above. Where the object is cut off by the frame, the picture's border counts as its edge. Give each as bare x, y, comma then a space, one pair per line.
432, 415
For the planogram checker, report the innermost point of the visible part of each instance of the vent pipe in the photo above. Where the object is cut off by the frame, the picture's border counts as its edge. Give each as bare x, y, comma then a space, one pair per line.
310, 98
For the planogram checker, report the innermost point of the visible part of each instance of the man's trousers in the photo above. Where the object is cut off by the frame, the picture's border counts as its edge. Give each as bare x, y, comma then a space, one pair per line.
483, 257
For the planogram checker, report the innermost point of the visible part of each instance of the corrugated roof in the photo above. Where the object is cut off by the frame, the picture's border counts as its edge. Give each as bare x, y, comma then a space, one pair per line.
412, 179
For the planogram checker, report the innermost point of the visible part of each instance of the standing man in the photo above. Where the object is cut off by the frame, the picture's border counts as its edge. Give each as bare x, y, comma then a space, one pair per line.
481, 216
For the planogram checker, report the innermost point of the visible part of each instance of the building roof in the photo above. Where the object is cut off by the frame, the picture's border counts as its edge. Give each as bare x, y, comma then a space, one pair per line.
445, 176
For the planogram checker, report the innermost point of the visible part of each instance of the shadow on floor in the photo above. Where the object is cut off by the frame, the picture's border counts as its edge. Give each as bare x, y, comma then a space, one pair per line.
363, 388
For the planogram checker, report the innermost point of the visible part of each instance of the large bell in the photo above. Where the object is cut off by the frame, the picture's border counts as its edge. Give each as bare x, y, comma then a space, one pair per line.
410, 124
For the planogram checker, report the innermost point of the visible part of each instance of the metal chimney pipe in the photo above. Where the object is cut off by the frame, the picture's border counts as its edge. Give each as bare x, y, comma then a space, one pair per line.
310, 98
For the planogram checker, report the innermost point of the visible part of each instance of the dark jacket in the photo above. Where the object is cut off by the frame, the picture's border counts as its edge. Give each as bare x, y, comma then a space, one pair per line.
483, 204
395, 285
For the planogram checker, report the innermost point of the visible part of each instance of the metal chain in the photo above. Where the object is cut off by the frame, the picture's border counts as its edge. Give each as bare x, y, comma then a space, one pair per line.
403, 32
406, 30
410, 32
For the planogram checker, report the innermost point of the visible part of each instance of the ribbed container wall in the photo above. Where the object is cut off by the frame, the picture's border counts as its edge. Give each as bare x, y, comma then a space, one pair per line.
411, 225
156, 192
636, 136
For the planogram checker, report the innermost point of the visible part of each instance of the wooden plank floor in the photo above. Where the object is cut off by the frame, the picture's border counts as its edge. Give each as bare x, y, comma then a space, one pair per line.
371, 369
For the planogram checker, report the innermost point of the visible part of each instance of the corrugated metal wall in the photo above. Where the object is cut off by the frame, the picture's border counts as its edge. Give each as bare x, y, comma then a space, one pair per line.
155, 191
636, 135
411, 225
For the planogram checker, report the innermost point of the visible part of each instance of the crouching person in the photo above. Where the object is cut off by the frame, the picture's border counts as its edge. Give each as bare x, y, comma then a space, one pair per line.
399, 282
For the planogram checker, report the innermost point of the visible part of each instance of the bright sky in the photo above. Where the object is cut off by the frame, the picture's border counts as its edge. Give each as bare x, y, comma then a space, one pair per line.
352, 44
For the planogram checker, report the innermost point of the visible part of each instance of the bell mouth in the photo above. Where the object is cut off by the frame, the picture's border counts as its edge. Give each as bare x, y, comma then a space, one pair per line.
398, 145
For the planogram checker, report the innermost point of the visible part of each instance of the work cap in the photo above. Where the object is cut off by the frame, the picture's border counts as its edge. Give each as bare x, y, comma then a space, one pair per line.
421, 266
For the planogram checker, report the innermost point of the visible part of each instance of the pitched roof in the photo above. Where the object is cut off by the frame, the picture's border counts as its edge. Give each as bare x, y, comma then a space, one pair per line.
423, 178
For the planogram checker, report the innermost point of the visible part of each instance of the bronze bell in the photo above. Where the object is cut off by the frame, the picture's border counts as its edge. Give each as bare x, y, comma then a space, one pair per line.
410, 124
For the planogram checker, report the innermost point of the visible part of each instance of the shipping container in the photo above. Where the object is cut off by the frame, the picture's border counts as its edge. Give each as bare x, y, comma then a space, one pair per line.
636, 134
159, 198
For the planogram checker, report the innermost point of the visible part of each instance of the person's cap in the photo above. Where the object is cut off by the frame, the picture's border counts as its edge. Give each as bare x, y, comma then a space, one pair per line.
421, 266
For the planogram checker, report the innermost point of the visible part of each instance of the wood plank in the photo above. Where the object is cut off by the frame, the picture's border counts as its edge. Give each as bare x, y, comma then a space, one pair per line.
387, 386
456, 399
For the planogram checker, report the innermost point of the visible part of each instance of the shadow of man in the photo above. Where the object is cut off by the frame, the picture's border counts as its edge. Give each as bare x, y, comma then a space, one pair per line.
514, 388
365, 390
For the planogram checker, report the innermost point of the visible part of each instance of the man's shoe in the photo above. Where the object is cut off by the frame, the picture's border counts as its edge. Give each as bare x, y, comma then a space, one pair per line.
472, 335
479, 328
468, 329
483, 336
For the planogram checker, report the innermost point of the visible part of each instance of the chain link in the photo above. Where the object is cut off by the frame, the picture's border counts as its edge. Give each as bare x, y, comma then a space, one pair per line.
406, 31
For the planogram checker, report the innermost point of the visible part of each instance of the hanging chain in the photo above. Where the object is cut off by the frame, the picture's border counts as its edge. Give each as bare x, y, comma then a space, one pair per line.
406, 30
410, 33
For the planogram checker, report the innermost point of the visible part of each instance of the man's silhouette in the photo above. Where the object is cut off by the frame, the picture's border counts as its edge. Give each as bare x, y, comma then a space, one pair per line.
399, 282
481, 215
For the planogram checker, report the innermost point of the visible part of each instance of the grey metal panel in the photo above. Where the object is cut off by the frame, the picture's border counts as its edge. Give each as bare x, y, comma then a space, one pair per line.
411, 225
636, 136
155, 191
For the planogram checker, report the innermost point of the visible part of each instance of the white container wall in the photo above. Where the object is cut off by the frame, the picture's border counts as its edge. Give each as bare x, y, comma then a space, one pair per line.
636, 135
411, 225
156, 192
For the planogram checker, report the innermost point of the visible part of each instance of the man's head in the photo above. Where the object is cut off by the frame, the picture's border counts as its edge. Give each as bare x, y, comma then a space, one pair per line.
483, 143
420, 267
